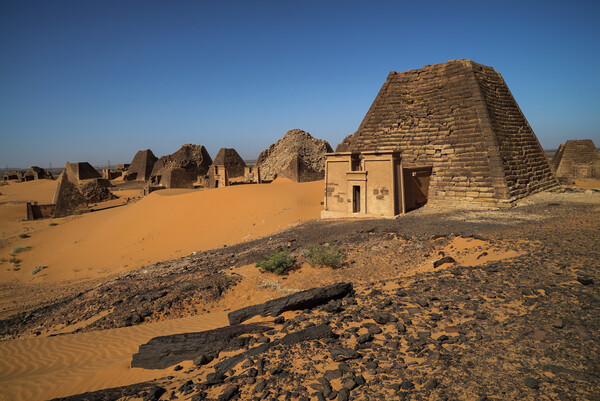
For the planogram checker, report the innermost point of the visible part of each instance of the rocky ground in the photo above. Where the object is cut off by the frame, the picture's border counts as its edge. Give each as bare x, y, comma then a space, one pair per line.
522, 327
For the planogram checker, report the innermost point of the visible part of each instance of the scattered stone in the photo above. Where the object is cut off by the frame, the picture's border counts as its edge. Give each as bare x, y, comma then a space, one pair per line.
444, 260
341, 354
154, 394
229, 393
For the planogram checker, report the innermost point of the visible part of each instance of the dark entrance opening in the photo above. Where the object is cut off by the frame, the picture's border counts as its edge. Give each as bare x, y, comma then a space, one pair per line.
355, 198
416, 186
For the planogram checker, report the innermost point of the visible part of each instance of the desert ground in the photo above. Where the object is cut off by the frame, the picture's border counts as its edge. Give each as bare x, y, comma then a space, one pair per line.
512, 314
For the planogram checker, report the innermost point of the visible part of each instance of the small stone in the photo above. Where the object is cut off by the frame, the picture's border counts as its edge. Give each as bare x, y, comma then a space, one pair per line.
332, 374
431, 384
203, 360
374, 330
229, 393
423, 303
532, 383
585, 280
407, 385
343, 394
444, 260
279, 320
558, 323
155, 394
178, 367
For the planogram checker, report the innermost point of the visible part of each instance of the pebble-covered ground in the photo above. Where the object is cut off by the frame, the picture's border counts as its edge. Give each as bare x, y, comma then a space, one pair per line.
524, 327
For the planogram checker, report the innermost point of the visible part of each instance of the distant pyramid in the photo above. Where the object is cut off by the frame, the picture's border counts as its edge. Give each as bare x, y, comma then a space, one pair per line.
577, 158
194, 159
460, 119
229, 158
141, 166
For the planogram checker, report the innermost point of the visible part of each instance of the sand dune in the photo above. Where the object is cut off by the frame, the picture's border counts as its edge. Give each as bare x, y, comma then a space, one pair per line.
41, 191
164, 225
46, 367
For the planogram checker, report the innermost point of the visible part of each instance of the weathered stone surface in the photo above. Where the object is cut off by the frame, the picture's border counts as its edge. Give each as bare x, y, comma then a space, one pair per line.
165, 351
300, 300
297, 156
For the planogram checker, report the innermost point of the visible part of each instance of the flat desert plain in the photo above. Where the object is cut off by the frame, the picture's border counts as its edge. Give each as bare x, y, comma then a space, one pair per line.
446, 304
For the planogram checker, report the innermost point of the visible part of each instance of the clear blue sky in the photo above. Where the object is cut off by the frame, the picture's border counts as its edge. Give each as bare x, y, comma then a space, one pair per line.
98, 80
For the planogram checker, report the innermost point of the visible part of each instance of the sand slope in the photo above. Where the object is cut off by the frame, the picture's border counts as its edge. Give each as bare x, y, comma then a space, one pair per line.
164, 225
47, 367
41, 191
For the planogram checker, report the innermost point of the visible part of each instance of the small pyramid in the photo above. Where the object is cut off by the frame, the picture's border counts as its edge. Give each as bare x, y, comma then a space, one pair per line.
230, 158
141, 166
577, 158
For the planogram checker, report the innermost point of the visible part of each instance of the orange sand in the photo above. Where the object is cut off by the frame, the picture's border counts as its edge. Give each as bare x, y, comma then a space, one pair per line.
588, 183
164, 225
47, 367
41, 191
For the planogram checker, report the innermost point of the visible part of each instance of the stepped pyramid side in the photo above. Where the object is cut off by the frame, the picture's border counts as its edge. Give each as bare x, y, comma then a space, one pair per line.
526, 167
459, 118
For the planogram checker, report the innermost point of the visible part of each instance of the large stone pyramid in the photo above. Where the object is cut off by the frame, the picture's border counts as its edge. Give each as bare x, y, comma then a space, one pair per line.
577, 158
460, 119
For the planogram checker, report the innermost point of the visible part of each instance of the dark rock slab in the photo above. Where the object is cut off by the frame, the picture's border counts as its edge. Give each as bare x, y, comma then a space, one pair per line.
310, 333
162, 352
300, 300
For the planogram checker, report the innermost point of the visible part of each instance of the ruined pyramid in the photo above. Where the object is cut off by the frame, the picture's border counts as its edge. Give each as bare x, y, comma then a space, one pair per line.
460, 119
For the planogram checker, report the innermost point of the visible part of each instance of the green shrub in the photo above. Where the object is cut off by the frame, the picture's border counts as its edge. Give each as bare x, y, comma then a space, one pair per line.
277, 262
24, 235
14, 261
38, 269
18, 249
325, 255
184, 286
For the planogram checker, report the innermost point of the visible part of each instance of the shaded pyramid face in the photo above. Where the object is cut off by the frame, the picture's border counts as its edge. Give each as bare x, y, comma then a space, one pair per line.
141, 166
460, 119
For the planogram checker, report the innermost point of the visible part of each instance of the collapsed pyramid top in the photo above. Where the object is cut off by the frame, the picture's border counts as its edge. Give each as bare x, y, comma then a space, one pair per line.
459, 118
